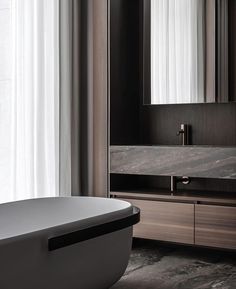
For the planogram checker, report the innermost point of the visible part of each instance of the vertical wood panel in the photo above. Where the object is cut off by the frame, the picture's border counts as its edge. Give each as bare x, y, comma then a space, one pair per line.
232, 49
94, 98
86, 98
222, 78
210, 51
124, 71
100, 97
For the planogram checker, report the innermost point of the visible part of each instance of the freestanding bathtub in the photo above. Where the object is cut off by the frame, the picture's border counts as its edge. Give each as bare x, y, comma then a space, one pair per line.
65, 243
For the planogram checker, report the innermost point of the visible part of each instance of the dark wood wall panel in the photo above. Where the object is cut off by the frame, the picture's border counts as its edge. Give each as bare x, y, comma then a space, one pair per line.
232, 50
124, 71
211, 124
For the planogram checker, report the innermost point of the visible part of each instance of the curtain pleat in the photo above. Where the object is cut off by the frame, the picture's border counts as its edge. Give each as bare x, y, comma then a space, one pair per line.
84, 97
57, 133
66, 94
32, 126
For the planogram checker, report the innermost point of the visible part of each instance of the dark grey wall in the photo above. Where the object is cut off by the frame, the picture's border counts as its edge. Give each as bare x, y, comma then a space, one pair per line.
124, 71
135, 123
211, 124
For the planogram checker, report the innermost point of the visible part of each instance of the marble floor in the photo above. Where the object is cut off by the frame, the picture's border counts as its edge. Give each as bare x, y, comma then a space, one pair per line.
157, 266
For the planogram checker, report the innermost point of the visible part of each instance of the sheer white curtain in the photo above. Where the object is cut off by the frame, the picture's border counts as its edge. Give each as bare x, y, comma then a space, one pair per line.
29, 126
177, 51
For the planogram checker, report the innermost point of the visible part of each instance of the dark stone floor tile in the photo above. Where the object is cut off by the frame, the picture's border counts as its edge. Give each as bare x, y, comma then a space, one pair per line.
156, 266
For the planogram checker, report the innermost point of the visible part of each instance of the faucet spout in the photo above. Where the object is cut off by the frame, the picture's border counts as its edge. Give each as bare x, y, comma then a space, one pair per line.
175, 180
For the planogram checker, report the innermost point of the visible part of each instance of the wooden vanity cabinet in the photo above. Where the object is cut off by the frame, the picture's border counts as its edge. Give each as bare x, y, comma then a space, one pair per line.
165, 221
205, 221
215, 226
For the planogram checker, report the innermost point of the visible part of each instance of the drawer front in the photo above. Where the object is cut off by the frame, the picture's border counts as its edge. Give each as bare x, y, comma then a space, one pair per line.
215, 226
165, 221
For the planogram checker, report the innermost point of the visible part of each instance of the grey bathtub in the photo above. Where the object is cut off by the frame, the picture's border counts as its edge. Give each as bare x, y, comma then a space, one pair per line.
65, 243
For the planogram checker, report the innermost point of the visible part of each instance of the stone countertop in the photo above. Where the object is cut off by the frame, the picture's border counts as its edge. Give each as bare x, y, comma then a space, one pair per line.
193, 161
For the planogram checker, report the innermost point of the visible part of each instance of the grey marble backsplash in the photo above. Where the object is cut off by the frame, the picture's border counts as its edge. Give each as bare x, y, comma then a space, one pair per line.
192, 161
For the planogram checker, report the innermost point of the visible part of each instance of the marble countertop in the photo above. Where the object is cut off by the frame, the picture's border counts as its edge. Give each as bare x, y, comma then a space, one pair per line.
192, 161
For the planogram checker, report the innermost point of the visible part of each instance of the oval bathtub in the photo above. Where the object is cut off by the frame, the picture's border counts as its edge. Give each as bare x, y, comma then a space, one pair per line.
65, 243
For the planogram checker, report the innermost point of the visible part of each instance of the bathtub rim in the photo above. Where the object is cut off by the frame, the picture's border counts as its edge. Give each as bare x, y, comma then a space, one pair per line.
53, 231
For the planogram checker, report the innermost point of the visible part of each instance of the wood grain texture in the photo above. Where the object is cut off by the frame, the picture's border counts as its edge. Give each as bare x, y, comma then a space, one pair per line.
94, 98
192, 198
173, 222
215, 226
210, 51
100, 98
232, 49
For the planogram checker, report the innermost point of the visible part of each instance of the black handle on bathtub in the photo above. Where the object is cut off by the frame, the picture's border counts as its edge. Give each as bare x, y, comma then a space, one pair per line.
94, 231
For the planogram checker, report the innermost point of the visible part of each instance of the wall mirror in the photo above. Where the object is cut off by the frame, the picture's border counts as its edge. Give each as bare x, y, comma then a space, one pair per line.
189, 51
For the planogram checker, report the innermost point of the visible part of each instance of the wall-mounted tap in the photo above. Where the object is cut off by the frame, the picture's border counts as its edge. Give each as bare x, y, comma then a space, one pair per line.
184, 134
175, 180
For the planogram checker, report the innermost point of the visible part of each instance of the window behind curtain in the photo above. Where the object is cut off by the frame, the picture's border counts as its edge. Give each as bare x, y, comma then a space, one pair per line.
29, 99
5, 93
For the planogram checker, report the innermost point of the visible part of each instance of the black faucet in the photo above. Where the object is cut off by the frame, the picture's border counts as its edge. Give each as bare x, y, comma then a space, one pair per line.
184, 134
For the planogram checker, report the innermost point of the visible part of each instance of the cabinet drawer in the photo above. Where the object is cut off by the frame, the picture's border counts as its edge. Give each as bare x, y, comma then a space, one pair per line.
165, 221
215, 226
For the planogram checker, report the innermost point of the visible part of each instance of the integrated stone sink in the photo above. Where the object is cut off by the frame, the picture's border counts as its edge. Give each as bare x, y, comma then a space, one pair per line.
192, 161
